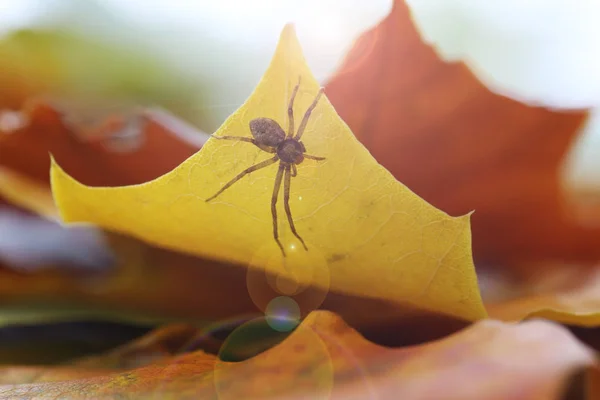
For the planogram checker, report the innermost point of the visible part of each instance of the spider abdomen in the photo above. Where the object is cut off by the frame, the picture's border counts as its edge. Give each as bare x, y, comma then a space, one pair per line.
267, 132
291, 151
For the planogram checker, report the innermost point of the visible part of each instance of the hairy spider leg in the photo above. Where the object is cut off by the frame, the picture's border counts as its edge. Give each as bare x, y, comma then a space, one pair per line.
286, 203
274, 205
245, 172
313, 157
291, 111
238, 138
307, 115
247, 139
294, 171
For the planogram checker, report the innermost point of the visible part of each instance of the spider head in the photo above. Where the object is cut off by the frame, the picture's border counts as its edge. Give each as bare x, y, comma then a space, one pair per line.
291, 151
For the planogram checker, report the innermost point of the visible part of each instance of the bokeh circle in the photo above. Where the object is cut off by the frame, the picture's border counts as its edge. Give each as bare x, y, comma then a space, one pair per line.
302, 276
283, 314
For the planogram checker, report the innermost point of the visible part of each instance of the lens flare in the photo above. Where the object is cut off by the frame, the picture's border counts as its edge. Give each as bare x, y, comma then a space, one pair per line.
303, 276
283, 314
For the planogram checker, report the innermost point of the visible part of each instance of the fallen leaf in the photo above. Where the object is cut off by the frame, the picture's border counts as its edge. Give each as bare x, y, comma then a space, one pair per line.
146, 281
53, 273
461, 147
567, 294
327, 359
159, 344
593, 385
26, 193
88, 150
367, 234
41, 342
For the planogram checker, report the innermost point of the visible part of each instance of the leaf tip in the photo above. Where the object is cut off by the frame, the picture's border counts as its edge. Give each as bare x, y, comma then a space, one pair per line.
288, 40
56, 172
60, 185
289, 31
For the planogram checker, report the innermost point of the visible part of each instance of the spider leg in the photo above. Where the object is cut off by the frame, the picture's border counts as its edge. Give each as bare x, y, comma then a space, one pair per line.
276, 188
291, 111
294, 171
238, 138
307, 115
313, 157
249, 140
286, 204
245, 172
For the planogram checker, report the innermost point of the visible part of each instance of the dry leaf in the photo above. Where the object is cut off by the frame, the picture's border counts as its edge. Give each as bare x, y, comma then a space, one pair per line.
367, 234
66, 273
159, 344
567, 294
461, 147
26, 193
325, 359
146, 281
89, 153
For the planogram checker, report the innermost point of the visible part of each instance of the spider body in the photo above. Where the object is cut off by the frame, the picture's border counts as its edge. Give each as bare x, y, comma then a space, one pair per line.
288, 150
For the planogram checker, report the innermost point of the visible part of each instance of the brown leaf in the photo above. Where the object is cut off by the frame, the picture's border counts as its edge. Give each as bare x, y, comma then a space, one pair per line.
461, 147
147, 279
100, 149
159, 344
568, 294
324, 358
593, 386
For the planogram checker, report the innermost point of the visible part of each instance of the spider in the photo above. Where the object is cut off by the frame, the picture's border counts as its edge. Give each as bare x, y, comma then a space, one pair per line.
289, 151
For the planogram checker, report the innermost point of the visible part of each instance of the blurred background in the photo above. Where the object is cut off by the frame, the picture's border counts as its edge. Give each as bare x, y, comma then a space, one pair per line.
198, 47
186, 55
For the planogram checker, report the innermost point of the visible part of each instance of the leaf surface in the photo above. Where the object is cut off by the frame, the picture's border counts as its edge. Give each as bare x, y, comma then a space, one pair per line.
367, 234
17, 189
326, 359
566, 294
85, 274
95, 152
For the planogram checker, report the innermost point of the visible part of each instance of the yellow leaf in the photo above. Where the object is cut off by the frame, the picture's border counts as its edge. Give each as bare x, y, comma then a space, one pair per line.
367, 234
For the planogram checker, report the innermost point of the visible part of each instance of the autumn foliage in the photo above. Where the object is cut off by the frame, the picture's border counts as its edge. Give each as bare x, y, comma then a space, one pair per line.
461, 147
402, 293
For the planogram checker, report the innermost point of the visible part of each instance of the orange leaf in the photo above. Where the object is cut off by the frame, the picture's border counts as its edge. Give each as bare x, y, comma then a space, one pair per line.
461, 147
27, 193
145, 280
155, 346
567, 294
119, 149
324, 358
